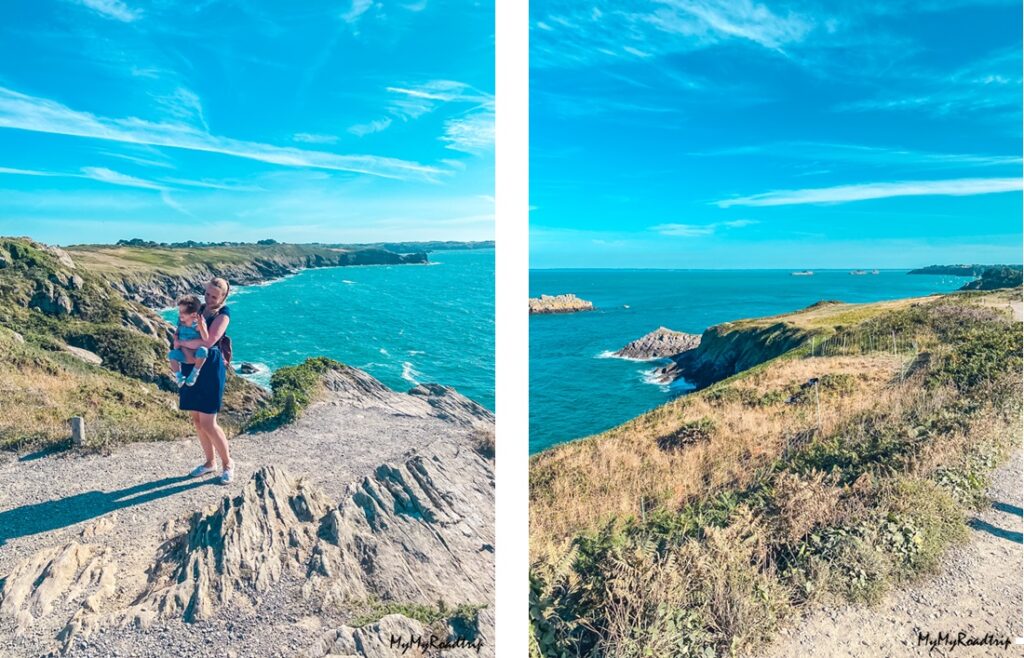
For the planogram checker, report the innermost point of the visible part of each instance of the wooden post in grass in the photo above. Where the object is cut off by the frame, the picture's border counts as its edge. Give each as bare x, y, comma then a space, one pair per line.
77, 431
817, 400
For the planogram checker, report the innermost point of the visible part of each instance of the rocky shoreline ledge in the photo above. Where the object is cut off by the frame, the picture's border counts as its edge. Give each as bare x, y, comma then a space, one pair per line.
568, 303
662, 343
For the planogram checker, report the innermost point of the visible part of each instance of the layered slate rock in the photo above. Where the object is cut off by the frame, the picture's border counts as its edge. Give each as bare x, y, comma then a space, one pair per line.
659, 344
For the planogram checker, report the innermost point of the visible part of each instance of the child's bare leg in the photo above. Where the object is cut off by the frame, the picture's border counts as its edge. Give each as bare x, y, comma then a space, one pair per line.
198, 358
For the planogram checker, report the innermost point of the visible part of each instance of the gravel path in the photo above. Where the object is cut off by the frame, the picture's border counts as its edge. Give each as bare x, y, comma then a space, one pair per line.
978, 592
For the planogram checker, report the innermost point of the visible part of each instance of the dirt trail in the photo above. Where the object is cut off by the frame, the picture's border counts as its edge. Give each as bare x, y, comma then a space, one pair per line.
978, 591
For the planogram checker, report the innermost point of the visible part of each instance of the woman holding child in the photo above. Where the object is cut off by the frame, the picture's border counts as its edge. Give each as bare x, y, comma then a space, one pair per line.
199, 360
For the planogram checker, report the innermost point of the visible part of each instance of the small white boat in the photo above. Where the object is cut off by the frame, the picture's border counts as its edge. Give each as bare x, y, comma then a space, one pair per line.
803, 273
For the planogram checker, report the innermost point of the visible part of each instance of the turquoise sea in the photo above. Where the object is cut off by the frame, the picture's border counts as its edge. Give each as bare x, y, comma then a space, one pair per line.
578, 389
403, 324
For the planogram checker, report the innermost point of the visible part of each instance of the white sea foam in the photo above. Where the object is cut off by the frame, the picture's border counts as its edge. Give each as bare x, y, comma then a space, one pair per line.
351, 283
409, 373
261, 377
608, 354
651, 377
416, 352
384, 352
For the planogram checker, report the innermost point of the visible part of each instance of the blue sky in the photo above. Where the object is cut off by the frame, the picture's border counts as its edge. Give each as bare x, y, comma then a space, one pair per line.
733, 133
321, 120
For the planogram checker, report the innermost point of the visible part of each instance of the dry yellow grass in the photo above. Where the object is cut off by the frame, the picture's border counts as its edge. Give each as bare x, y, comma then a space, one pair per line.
580, 486
41, 390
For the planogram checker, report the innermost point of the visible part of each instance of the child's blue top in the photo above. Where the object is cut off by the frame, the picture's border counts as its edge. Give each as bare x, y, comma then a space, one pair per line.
189, 331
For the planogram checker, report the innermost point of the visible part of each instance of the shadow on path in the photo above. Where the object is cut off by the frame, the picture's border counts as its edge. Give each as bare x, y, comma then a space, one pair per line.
1010, 535
1007, 508
62, 512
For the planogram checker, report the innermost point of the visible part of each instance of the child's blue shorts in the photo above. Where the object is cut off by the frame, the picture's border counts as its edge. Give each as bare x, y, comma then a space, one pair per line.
178, 355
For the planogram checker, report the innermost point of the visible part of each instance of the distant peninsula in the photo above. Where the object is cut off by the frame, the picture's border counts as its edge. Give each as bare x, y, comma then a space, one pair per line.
958, 270
568, 303
987, 277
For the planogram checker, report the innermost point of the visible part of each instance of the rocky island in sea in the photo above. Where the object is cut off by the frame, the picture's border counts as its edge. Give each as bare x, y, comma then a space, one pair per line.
659, 344
568, 303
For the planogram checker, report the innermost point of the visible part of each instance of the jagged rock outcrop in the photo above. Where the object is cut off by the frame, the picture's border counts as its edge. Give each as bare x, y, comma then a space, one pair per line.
82, 574
659, 344
568, 303
357, 388
420, 530
239, 549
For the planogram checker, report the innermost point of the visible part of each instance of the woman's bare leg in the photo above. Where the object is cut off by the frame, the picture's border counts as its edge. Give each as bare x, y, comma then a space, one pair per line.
204, 439
217, 437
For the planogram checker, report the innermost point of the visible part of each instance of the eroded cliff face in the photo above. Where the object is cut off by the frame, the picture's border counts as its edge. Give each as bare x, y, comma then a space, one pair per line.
727, 349
415, 530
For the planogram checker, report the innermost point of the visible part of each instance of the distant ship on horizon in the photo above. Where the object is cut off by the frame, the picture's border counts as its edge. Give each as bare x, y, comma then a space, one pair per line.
803, 273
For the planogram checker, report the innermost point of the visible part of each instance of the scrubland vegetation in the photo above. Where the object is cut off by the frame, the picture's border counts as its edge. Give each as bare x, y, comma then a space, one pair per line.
834, 472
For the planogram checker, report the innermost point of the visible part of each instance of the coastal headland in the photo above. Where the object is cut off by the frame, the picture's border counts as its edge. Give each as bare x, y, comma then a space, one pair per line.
830, 456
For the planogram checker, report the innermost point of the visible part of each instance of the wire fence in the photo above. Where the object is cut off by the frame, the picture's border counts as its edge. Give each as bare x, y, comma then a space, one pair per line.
844, 344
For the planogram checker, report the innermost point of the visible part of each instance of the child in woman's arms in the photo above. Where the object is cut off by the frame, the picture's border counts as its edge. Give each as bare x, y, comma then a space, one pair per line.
191, 326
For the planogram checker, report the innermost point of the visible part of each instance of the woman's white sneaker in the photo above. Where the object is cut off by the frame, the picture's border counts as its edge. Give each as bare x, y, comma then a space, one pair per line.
200, 470
227, 476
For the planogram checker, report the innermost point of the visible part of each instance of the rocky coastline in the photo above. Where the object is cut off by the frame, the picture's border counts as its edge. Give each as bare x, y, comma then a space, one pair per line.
158, 286
568, 303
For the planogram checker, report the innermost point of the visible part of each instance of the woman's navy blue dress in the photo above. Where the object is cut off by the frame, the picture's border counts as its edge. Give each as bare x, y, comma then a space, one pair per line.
208, 391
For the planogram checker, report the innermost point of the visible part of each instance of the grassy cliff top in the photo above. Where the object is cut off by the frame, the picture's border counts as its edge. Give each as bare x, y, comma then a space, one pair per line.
174, 260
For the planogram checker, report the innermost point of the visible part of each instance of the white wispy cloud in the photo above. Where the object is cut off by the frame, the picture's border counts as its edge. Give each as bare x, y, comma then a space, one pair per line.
375, 126
699, 230
105, 175
315, 138
113, 9
25, 172
31, 113
574, 35
867, 191
356, 10
183, 104
715, 20
413, 101
471, 134
862, 153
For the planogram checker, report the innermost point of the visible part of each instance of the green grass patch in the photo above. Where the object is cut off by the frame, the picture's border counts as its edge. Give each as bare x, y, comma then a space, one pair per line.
294, 388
